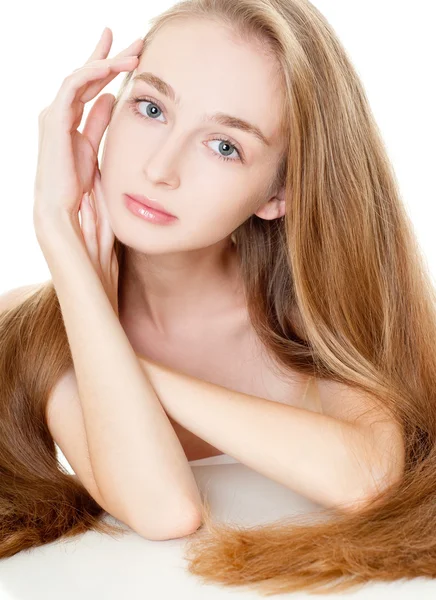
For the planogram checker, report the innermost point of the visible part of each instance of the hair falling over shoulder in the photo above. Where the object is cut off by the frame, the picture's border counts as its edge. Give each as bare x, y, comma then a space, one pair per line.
367, 310
39, 500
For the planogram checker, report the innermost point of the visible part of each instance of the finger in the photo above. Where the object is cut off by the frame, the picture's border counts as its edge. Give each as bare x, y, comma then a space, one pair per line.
98, 119
134, 49
85, 83
89, 230
106, 235
103, 46
76, 85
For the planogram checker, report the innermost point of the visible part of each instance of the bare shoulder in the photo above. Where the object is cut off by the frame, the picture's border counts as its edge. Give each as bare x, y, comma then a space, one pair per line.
349, 404
13, 297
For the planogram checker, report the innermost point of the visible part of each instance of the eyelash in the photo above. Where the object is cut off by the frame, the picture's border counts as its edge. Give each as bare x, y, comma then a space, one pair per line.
133, 102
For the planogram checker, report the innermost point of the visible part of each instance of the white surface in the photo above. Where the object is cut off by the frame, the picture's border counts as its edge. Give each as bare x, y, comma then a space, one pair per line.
94, 566
221, 459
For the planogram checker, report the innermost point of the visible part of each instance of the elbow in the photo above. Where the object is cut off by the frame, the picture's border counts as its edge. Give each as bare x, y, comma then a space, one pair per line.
357, 504
160, 528
384, 471
363, 498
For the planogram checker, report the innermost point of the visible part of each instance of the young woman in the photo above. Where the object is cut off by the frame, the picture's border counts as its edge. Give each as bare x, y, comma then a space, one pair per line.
280, 314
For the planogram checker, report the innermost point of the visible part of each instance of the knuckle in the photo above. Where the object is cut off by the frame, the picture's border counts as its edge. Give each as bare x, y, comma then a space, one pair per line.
82, 67
68, 78
93, 64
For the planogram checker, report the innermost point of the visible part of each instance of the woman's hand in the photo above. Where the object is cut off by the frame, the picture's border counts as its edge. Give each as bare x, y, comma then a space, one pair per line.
98, 237
67, 159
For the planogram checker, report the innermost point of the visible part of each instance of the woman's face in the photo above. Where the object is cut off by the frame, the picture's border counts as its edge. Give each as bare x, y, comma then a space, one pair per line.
167, 151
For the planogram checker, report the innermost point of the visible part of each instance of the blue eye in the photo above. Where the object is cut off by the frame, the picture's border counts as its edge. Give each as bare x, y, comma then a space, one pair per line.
133, 103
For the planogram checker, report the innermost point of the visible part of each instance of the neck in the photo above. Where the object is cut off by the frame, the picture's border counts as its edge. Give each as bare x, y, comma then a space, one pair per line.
172, 291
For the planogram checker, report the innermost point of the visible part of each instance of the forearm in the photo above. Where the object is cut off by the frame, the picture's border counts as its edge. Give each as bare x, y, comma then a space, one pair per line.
137, 460
322, 458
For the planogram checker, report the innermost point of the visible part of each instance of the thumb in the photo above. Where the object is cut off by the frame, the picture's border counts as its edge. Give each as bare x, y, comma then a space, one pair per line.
98, 119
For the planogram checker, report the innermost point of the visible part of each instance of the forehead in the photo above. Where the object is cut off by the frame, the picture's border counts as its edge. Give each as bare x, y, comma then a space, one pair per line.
202, 68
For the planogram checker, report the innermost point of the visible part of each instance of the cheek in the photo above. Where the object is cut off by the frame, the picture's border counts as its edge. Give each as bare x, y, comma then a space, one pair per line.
119, 134
227, 214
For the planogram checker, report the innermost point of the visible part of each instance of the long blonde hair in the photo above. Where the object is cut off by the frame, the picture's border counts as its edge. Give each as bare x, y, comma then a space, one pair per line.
345, 264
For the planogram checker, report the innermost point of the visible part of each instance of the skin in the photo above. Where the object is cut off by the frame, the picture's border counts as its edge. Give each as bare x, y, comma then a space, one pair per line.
188, 270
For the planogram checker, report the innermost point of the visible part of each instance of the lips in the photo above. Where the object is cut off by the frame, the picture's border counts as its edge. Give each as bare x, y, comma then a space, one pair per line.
150, 203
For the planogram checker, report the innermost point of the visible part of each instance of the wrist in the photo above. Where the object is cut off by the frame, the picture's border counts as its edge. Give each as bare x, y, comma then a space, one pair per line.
48, 228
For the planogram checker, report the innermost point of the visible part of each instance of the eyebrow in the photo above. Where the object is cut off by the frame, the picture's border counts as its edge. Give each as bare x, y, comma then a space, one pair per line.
219, 117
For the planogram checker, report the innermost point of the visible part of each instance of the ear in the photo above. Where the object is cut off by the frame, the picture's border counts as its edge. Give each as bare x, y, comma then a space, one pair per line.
274, 208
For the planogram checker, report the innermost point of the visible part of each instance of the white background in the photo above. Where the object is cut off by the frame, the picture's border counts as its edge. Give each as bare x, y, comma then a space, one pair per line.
391, 44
